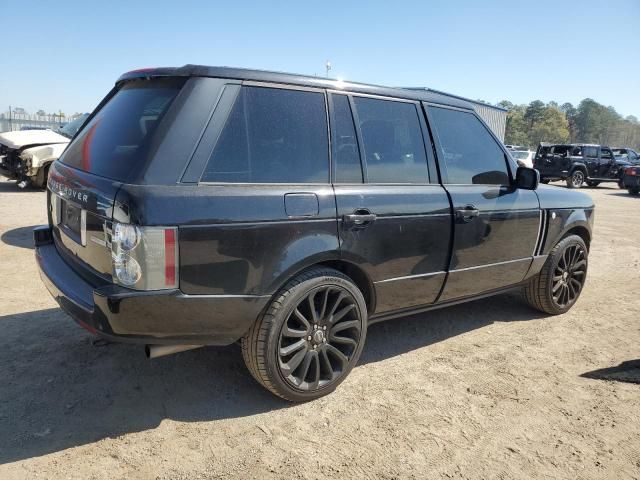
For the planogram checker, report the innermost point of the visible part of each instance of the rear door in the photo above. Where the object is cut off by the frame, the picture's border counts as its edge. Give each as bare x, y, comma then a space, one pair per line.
394, 219
495, 225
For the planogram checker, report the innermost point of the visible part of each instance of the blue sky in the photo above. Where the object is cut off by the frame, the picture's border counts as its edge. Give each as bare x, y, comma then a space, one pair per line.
67, 54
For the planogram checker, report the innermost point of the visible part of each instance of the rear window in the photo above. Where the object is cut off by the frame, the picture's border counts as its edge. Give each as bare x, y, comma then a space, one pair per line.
117, 141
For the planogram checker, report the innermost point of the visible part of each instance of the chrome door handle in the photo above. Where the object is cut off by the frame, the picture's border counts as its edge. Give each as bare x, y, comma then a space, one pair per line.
467, 213
359, 219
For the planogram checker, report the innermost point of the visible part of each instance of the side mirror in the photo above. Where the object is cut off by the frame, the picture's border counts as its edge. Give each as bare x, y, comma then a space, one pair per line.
527, 178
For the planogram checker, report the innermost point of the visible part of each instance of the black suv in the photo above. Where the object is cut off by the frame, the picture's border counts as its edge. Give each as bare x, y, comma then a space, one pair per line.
202, 206
578, 163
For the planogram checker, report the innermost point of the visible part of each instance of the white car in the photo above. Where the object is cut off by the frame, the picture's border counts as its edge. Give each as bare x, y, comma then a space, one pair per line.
524, 158
26, 155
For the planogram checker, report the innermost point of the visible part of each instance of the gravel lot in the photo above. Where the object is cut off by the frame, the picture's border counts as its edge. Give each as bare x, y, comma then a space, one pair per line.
490, 389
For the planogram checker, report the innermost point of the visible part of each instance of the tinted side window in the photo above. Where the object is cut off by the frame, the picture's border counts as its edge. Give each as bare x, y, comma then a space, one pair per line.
471, 155
591, 152
393, 144
346, 156
606, 154
272, 136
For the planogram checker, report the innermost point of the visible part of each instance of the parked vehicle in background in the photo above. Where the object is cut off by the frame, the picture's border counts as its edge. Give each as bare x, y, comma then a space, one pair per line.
631, 179
26, 155
627, 154
523, 158
206, 205
578, 163
33, 128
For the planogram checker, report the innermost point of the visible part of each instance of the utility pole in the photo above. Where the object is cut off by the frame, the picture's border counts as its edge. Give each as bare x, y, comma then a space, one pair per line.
328, 67
10, 123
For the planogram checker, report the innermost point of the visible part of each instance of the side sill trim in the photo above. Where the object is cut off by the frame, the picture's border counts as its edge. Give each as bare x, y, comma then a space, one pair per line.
410, 277
435, 306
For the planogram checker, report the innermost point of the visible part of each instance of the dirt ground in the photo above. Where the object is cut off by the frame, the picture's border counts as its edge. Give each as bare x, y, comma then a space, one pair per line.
490, 389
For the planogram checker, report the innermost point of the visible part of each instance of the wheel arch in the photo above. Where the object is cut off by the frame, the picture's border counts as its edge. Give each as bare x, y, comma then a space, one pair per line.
579, 166
581, 231
351, 270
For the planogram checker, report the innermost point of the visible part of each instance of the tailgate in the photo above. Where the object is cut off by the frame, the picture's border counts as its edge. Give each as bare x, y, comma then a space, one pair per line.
80, 212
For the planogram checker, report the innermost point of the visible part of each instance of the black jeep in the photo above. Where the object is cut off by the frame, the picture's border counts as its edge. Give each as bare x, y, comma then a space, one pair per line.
578, 163
204, 206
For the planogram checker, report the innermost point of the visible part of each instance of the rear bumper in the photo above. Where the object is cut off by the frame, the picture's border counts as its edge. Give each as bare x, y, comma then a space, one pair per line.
154, 317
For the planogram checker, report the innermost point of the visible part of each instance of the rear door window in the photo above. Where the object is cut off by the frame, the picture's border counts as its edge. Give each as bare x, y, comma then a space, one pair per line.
392, 141
118, 140
272, 135
470, 154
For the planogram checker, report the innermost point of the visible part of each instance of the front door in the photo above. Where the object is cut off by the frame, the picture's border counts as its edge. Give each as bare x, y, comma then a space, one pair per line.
392, 221
495, 225
592, 160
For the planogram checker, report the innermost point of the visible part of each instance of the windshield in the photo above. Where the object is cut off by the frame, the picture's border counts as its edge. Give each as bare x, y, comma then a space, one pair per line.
70, 129
520, 155
117, 140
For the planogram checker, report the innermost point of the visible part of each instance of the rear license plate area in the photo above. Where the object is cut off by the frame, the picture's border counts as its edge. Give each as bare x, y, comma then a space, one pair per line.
73, 221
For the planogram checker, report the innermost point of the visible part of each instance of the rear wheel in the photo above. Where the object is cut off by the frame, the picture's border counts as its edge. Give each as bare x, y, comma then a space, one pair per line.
310, 337
593, 183
559, 284
576, 179
634, 190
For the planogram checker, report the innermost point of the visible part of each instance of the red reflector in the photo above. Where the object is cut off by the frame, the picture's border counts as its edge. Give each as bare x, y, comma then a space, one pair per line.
170, 257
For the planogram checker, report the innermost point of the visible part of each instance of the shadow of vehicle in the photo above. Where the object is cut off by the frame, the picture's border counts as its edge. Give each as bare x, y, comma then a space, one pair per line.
628, 371
624, 193
59, 391
19, 237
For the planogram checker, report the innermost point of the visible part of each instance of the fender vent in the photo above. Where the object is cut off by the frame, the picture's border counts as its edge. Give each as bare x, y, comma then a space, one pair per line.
542, 233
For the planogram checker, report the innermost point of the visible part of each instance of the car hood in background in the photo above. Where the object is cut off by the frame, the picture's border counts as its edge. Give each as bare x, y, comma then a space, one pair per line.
22, 138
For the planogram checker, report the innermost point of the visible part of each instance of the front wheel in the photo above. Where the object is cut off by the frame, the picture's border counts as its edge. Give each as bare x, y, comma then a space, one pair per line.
558, 285
310, 337
576, 179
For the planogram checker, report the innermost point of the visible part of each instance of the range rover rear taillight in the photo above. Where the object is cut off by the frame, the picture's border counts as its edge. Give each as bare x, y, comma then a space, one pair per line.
633, 171
144, 258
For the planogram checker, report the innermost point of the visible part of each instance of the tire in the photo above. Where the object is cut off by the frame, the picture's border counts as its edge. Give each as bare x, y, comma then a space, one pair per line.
576, 179
552, 291
593, 183
308, 362
634, 190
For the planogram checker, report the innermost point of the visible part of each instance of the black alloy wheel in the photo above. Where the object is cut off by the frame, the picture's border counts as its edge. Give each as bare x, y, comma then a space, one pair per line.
319, 337
558, 285
569, 276
310, 336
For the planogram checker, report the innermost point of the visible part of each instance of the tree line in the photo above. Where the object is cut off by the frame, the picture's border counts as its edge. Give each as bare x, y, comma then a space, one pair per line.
589, 122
